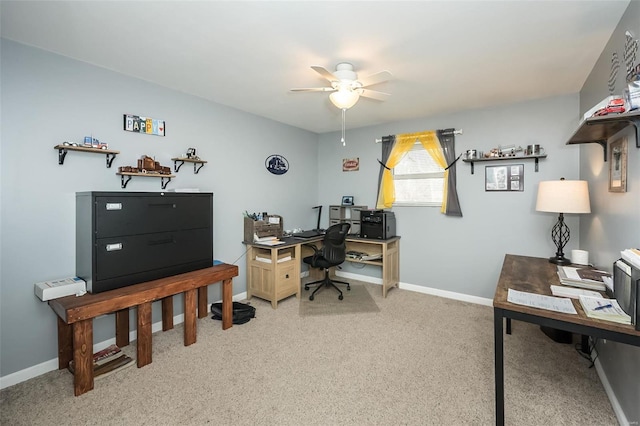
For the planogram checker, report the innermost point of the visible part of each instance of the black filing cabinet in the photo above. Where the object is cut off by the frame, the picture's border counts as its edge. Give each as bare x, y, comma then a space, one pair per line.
124, 238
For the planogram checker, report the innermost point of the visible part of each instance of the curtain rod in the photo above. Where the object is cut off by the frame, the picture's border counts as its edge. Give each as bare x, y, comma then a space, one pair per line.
455, 132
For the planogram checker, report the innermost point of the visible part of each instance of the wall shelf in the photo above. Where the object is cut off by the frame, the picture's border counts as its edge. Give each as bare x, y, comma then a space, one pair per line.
124, 181
600, 129
63, 149
196, 169
515, 158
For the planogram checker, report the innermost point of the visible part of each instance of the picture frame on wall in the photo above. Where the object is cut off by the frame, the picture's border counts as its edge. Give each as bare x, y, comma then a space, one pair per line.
504, 178
618, 165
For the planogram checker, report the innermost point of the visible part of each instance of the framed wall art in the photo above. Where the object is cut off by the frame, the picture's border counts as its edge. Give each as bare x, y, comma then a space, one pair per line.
504, 178
618, 165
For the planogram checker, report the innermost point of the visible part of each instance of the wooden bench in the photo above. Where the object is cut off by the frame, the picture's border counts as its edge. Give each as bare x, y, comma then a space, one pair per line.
76, 314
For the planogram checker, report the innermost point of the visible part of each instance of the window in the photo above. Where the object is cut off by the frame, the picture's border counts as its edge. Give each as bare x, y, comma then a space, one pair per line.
418, 179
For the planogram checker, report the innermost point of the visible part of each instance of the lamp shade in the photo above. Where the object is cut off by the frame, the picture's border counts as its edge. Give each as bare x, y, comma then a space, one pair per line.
344, 98
563, 196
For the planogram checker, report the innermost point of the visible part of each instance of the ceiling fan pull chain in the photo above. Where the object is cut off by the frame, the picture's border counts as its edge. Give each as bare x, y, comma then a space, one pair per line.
344, 111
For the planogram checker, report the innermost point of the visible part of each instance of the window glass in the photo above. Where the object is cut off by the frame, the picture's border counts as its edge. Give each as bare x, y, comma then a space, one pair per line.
418, 179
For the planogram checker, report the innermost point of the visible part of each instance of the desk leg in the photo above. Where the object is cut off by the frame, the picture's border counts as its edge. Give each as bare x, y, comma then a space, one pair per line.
202, 302
190, 317
65, 344
83, 356
499, 364
167, 313
122, 327
508, 325
227, 303
144, 334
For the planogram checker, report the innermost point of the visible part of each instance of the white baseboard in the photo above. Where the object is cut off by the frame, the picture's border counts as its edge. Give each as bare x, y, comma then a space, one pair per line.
45, 367
52, 364
615, 405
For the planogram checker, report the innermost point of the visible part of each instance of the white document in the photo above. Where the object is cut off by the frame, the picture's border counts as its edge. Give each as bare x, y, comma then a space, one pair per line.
550, 303
572, 292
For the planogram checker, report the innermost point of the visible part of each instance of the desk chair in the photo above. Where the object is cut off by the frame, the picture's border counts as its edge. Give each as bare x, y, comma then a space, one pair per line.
332, 253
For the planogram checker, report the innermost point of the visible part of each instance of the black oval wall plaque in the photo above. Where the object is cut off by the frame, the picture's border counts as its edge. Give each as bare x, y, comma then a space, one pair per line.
277, 164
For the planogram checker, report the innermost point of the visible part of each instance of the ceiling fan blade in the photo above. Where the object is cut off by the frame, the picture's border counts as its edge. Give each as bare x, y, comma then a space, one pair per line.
377, 78
373, 94
323, 72
314, 89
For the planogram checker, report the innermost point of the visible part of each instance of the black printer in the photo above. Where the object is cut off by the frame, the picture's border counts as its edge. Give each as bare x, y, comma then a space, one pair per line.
377, 224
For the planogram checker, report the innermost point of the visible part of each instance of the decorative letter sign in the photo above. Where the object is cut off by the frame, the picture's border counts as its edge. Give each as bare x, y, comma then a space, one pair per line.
138, 124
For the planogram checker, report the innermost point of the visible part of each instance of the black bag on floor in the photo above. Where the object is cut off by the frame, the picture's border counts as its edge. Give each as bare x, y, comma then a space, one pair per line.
241, 312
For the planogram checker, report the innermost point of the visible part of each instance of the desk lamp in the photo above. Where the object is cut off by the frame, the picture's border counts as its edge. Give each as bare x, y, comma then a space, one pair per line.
562, 196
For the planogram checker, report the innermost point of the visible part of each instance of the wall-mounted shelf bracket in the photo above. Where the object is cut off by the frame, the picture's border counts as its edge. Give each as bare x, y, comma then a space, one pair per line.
125, 180
472, 161
63, 149
164, 184
599, 129
197, 164
110, 158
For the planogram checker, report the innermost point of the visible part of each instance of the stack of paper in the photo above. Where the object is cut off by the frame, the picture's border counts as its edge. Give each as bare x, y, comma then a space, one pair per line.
281, 258
604, 309
588, 278
574, 293
632, 256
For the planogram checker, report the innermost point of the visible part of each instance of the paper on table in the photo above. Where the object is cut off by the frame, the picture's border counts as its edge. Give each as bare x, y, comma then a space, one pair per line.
550, 303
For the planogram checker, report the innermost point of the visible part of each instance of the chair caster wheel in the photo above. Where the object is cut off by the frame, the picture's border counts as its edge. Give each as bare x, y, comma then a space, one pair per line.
306, 287
348, 288
340, 297
310, 297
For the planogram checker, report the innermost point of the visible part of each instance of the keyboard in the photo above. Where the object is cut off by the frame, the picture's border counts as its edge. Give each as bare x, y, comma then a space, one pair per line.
307, 234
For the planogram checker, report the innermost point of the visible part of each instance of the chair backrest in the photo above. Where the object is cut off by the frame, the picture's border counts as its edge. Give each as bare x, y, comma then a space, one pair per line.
334, 250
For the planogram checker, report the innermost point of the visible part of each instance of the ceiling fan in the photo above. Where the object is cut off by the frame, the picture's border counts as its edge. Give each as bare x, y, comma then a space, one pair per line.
346, 88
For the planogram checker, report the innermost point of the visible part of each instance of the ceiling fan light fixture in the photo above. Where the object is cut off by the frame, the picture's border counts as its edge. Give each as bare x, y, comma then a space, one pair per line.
344, 98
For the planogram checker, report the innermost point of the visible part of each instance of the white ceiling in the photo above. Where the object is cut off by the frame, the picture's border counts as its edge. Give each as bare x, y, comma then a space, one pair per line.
445, 56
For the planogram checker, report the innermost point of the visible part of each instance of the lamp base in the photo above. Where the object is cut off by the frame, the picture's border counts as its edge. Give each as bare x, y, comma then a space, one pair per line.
560, 260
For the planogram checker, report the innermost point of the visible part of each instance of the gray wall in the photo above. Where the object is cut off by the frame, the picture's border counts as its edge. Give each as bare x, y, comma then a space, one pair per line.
465, 255
47, 99
615, 221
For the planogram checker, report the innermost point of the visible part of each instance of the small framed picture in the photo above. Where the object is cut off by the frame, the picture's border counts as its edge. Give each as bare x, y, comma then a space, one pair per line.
504, 178
347, 200
618, 165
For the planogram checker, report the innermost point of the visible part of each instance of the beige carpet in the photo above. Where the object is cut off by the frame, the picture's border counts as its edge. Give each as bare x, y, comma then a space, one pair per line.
419, 360
326, 302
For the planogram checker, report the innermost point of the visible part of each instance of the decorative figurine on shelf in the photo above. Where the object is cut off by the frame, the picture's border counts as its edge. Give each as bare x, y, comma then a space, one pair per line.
146, 165
191, 154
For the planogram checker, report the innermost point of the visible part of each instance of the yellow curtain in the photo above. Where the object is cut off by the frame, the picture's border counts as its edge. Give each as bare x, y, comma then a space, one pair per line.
404, 142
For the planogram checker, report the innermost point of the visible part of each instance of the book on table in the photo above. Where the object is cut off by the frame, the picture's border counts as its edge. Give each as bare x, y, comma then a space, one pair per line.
604, 309
570, 276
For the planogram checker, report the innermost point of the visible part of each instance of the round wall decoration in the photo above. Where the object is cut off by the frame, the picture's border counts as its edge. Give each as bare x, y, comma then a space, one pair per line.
276, 164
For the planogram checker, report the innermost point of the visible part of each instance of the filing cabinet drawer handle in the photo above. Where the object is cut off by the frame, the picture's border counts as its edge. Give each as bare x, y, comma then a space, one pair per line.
163, 241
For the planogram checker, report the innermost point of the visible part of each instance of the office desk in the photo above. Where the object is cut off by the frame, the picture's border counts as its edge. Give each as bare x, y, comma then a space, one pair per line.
535, 275
277, 275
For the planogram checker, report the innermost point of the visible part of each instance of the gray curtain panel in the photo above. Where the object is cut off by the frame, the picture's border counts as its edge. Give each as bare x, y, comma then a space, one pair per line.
448, 141
387, 146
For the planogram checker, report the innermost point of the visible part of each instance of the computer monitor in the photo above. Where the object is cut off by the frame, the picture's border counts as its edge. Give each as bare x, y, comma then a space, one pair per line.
319, 215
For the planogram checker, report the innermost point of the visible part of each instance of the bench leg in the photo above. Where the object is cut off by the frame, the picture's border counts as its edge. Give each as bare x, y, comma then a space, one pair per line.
227, 303
190, 317
122, 327
202, 302
144, 334
83, 356
167, 313
65, 344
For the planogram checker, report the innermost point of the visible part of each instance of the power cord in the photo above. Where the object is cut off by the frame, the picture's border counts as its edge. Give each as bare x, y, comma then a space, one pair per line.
241, 256
590, 350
